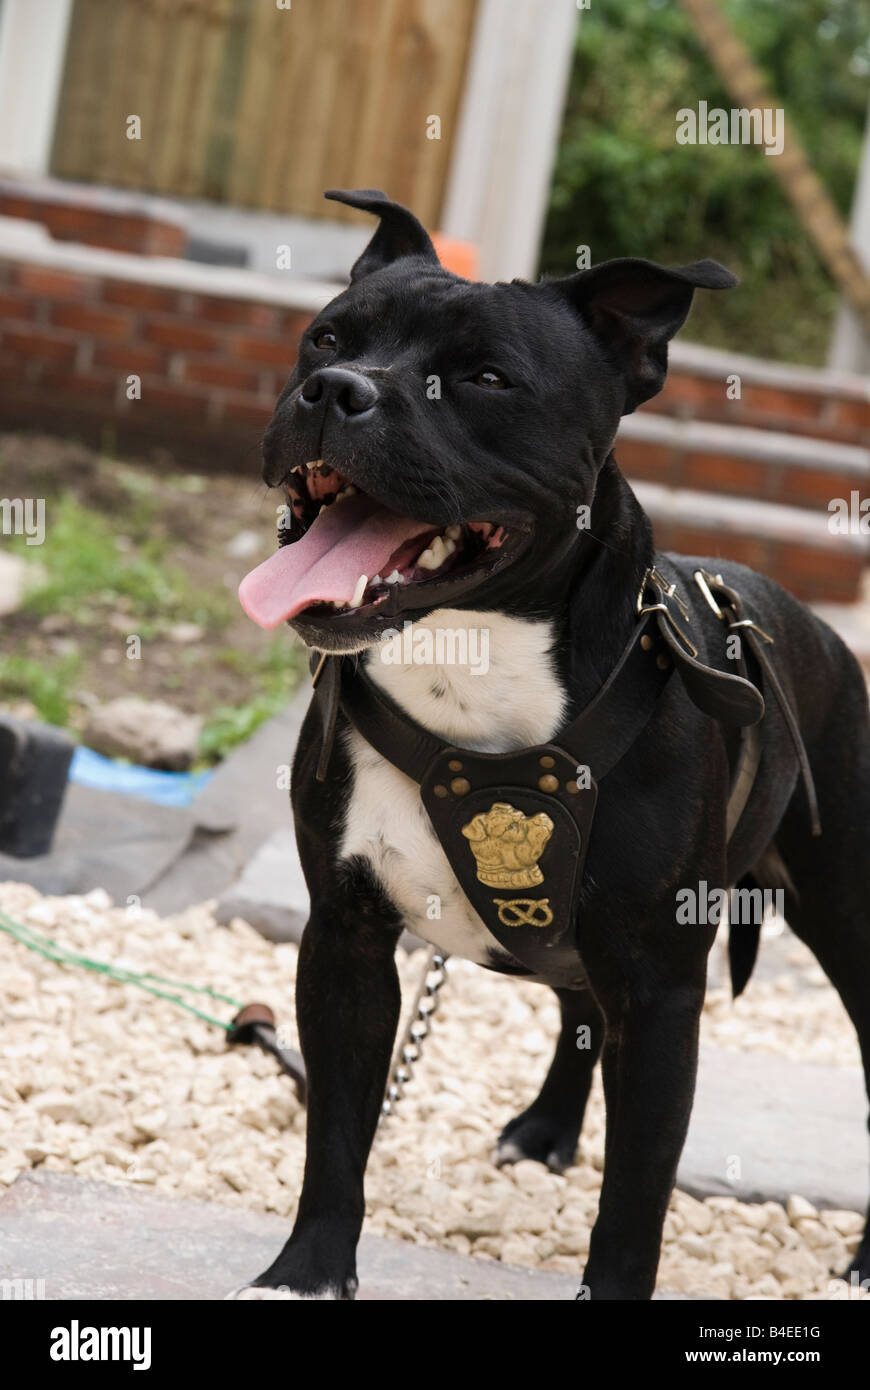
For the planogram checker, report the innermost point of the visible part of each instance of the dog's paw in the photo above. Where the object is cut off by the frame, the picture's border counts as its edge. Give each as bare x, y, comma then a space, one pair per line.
259, 1293
537, 1137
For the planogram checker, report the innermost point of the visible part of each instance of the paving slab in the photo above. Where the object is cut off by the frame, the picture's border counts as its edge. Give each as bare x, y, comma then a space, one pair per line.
242, 806
780, 1127
104, 840
92, 1240
270, 892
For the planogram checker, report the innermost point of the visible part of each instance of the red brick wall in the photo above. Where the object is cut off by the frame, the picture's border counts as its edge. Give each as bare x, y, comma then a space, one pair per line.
98, 226
210, 368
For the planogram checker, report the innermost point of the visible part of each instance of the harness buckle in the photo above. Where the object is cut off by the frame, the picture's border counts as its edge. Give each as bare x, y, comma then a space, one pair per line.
655, 576
747, 622
701, 579
678, 632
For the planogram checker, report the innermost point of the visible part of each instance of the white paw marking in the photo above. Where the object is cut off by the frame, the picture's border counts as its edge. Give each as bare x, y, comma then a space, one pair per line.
254, 1293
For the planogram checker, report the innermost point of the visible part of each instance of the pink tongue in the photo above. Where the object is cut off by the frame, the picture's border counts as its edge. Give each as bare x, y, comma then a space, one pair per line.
350, 538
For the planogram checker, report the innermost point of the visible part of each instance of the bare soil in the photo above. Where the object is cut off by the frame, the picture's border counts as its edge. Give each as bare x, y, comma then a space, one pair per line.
194, 520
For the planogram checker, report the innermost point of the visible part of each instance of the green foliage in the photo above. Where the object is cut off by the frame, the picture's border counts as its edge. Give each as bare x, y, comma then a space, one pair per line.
624, 187
46, 688
275, 675
86, 575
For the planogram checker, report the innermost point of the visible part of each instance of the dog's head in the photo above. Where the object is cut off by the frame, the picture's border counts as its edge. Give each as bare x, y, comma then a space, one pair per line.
437, 436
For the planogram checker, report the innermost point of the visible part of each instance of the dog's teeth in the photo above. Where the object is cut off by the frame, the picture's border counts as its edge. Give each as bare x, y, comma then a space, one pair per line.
449, 547
349, 491
394, 578
377, 579
361, 585
453, 533
322, 509
433, 556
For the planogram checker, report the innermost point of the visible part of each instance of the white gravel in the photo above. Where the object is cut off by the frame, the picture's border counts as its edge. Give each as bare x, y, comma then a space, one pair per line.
108, 1082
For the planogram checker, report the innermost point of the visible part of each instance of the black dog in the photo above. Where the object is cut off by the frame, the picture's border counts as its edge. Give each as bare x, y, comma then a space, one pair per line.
460, 437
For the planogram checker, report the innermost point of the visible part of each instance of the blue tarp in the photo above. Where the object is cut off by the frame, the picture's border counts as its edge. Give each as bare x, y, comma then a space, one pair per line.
90, 769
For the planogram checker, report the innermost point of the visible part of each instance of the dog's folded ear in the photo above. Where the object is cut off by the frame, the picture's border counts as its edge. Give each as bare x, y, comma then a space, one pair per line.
634, 307
399, 235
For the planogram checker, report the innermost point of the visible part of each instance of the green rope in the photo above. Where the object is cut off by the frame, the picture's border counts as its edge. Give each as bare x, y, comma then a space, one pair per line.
52, 950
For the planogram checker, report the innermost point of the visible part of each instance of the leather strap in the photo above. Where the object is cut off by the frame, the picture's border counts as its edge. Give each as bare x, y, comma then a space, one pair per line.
608, 726
326, 679
743, 779
597, 738
727, 604
730, 698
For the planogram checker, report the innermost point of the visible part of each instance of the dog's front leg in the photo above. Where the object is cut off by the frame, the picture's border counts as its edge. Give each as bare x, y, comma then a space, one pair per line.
347, 1001
649, 1066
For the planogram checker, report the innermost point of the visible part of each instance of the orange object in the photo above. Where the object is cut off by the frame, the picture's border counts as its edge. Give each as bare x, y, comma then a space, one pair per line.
458, 256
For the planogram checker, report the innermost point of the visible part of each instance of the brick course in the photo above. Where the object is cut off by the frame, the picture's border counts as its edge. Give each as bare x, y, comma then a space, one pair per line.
96, 225
820, 411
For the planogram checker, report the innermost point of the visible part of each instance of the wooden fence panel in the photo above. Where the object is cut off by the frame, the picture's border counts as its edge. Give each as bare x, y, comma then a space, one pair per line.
243, 102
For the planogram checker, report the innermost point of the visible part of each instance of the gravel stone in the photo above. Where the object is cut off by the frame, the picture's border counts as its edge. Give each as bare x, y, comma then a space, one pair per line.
105, 1081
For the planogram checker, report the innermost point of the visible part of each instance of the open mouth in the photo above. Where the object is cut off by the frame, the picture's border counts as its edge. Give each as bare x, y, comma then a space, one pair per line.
342, 555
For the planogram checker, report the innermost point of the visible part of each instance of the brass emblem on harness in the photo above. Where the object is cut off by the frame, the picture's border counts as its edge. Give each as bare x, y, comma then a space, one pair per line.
524, 912
507, 846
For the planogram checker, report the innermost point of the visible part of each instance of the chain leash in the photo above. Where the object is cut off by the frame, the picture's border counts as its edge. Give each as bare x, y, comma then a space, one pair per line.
410, 1050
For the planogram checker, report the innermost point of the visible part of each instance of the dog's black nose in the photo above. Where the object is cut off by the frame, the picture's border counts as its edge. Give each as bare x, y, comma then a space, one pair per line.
346, 393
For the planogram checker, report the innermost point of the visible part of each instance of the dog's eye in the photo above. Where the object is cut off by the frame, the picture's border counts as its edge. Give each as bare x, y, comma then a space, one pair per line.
325, 339
490, 380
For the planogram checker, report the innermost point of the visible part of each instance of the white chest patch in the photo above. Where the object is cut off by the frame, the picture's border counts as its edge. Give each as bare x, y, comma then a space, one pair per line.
508, 701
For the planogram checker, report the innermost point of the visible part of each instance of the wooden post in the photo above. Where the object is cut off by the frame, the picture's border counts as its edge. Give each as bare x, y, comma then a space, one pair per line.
32, 51
502, 158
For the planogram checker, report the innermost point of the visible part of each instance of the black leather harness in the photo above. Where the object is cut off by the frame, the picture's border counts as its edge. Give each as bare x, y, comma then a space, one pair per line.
515, 827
